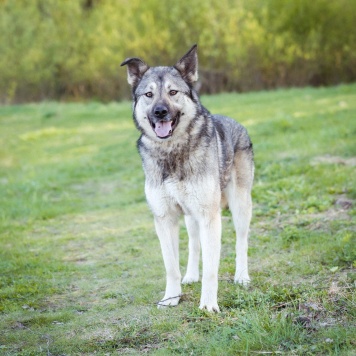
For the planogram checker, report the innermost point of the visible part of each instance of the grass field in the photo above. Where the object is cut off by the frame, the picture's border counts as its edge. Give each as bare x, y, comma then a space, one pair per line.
81, 268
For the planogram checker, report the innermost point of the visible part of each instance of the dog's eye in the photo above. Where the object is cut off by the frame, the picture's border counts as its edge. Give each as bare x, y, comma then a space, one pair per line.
149, 94
173, 92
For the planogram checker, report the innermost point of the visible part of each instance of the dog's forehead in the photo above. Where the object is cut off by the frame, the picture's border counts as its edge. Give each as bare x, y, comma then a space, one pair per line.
156, 77
161, 73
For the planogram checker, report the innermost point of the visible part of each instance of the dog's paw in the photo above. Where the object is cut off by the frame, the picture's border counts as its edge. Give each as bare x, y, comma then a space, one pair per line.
168, 302
190, 278
212, 308
244, 281
209, 302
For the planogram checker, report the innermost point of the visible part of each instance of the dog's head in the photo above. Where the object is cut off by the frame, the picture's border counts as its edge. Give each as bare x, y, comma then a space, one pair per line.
164, 97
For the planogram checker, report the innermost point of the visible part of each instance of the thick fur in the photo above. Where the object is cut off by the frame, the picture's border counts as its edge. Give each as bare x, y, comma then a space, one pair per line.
194, 163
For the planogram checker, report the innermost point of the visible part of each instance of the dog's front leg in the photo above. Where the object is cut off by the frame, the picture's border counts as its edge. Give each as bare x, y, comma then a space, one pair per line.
210, 237
192, 274
167, 229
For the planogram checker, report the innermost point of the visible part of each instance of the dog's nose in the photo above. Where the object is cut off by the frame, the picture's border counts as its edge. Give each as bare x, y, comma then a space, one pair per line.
160, 111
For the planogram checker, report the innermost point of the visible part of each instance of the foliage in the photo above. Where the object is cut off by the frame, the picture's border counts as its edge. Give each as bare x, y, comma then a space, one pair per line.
72, 49
81, 267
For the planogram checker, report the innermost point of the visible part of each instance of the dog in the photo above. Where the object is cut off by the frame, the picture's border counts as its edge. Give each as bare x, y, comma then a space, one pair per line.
194, 163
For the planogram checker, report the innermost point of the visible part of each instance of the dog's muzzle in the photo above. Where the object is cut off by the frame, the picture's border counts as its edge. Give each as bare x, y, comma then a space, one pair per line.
162, 123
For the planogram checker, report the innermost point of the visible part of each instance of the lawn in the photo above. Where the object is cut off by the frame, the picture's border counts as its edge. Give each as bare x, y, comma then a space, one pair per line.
81, 267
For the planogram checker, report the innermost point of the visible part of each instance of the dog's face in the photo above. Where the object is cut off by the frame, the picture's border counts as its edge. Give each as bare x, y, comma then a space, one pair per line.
164, 101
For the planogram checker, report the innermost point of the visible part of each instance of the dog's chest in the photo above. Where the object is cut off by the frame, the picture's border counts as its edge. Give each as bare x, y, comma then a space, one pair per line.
174, 165
189, 196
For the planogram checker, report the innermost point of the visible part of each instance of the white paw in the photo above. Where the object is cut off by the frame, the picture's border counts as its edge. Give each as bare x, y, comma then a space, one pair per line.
210, 307
168, 302
190, 278
209, 302
244, 281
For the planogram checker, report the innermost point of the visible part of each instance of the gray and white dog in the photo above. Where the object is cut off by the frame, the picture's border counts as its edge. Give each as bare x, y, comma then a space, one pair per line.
194, 163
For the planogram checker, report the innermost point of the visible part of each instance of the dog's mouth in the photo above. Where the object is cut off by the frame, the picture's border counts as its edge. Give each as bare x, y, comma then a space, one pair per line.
164, 128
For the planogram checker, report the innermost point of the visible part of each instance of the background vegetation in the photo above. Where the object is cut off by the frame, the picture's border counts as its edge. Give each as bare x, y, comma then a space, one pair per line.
72, 49
81, 267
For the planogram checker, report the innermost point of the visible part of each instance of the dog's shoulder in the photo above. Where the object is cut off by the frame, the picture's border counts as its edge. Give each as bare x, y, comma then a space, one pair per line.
232, 132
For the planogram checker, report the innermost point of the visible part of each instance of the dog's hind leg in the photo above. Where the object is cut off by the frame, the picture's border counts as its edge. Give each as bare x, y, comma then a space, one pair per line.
192, 274
167, 229
241, 212
238, 193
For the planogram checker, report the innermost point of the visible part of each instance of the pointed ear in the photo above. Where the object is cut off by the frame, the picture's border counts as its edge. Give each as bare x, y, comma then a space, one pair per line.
188, 65
136, 68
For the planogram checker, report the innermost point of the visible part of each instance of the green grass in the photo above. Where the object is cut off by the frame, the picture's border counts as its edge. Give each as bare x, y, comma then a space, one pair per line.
80, 265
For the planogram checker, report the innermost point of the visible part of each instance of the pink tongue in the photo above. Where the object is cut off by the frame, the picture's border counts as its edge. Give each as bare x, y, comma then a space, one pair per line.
163, 128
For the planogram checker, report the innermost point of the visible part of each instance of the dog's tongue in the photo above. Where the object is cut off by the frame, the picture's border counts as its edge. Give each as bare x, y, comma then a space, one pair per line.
163, 128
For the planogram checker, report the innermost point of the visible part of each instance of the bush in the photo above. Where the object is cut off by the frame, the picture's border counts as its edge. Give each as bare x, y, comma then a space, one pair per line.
72, 49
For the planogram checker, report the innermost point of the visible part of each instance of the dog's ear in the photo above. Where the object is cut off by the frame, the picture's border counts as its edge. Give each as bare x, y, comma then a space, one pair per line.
188, 65
136, 68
